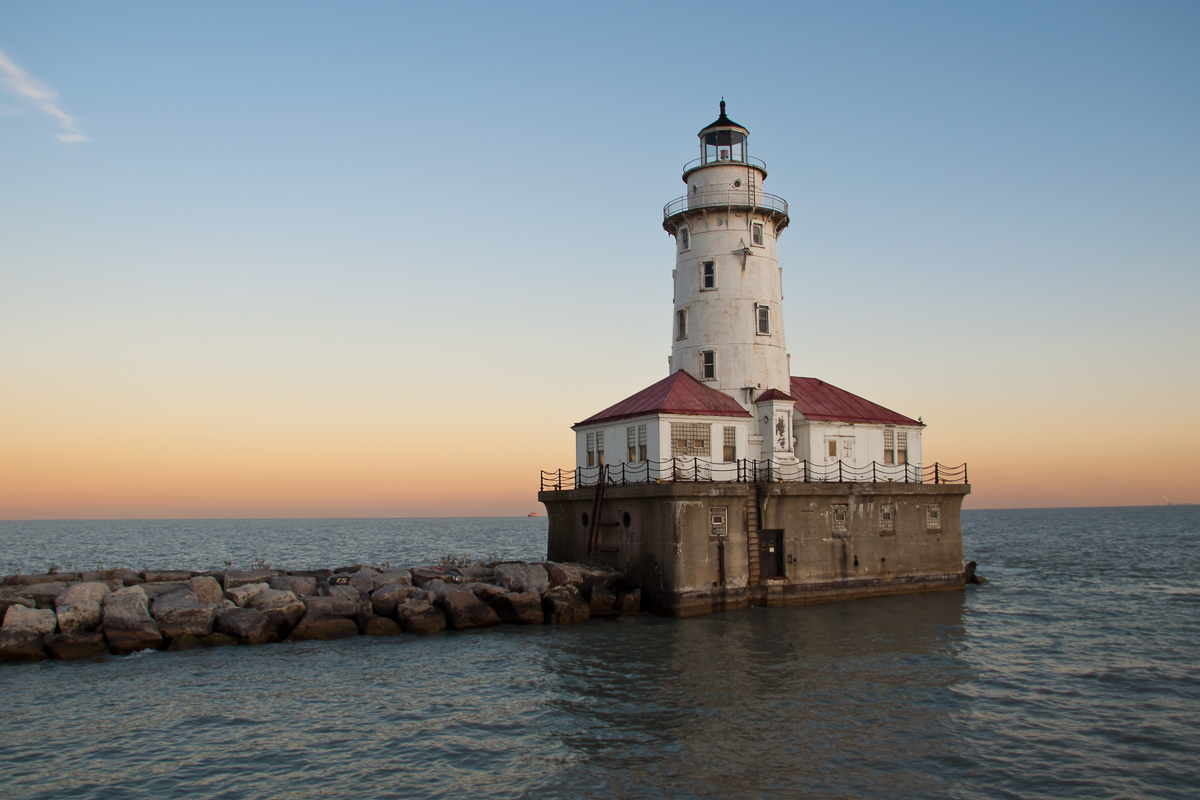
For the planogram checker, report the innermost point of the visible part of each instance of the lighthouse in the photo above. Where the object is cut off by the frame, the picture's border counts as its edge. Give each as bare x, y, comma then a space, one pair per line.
731, 481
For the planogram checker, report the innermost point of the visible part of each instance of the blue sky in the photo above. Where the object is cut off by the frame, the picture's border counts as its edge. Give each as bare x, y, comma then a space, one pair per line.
315, 228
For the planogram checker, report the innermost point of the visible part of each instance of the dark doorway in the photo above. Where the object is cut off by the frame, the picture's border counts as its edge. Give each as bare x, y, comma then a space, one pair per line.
770, 554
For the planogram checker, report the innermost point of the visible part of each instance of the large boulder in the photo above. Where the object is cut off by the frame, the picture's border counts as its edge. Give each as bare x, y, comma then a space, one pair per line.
629, 602
166, 575
415, 616
283, 609
238, 577
563, 605
128, 626
138, 592
76, 645
207, 589
45, 577
247, 625
243, 594
601, 601
423, 575
158, 589
347, 592
364, 580
600, 576
441, 590
476, 572
182, 614
45, 595
78, 618
319, 626
10, 597
331, 606
465, 610
299, 585
517, 576
565, 574
379, 626
402, 576
385, 598
520, 608
21, 644
39, 620
88, 592
484, 591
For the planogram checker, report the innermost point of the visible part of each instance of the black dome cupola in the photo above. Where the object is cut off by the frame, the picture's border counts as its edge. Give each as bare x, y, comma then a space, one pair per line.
723, 140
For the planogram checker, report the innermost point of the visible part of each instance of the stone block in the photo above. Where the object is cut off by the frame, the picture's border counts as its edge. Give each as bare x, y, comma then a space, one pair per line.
180, 613
476, 572
380, 626
10, 598
128, 626
207, 589
346, 592
331, 606
519, 608
21, 644
318, 626
402, 576
464, 610
45, 595
82, 617
119, 595
418, 617
517, 576
601, 601
158, 589
237, 577
564, 604
166, 575
283, 609
242, 594
629, 602
423, 575
247, 625
39, 620
87, 592
364, 580
385, 598
299, 585
564, 574
76, 645
484, 591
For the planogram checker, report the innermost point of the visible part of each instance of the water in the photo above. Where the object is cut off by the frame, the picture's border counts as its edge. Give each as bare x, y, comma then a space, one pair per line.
1074, 673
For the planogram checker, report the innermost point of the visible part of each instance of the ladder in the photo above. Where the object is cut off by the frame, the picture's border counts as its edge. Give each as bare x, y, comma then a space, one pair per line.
752, 523
751, 186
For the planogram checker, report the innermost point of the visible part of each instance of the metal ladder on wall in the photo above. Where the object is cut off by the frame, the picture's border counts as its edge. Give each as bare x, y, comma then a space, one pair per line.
752, 546
751, 186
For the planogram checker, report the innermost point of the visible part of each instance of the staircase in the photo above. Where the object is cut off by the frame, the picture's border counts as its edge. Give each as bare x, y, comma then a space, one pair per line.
752, 523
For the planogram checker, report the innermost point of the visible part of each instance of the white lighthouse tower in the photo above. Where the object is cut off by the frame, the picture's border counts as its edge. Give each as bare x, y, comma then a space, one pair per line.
728, 321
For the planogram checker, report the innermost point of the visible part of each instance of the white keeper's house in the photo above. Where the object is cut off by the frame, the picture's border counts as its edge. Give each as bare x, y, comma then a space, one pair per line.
730, 403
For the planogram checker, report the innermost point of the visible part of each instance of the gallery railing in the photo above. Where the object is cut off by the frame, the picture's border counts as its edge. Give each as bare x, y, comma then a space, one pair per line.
725, 198
699, 470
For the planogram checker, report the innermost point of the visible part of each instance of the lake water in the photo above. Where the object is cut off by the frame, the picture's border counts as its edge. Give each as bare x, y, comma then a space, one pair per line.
1074, 673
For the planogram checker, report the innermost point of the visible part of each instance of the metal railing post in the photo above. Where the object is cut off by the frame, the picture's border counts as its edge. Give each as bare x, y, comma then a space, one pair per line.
874, 479
935, 473
965, 473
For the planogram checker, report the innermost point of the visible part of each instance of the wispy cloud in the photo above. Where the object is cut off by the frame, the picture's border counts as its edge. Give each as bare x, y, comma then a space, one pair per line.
41, 96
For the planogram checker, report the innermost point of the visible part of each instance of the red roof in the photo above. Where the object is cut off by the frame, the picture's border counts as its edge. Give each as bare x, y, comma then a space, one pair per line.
773, 394
678, 394
822, 402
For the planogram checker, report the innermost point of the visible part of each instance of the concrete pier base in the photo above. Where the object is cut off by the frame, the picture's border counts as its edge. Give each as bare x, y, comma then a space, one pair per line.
696, 548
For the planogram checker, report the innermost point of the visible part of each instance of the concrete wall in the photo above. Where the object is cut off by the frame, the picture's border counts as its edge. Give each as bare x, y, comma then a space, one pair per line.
663, 539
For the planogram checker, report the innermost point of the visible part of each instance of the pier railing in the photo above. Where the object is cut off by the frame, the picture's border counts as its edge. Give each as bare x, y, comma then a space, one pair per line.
699, 470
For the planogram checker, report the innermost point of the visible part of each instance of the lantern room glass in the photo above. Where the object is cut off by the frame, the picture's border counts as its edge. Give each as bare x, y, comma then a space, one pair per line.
721, 146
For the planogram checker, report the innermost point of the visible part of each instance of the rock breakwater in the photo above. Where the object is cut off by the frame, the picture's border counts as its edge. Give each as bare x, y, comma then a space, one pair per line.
119, 611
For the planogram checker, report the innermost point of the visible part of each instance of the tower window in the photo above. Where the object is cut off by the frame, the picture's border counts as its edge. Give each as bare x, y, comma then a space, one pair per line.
708, 364
685, 240
681, 324
889, 446
763, 312
709, 275
631, 440
901, 447
600, 448
641, 442
690, 439
591, 449
756, 234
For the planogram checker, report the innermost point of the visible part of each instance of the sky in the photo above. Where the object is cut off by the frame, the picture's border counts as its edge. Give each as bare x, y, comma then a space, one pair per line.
375, 259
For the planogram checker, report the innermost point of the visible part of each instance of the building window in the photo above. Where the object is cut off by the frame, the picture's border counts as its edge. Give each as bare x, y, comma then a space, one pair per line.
729, 453
708, 276
763, 313
832, 445
591, 449
708, 365
718, 521
681, 324
600, 448
642, 443
691, 439
889, 446
841, 517
631, 440
685, 240
887, 518
756, 234
901, 447
933, 517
